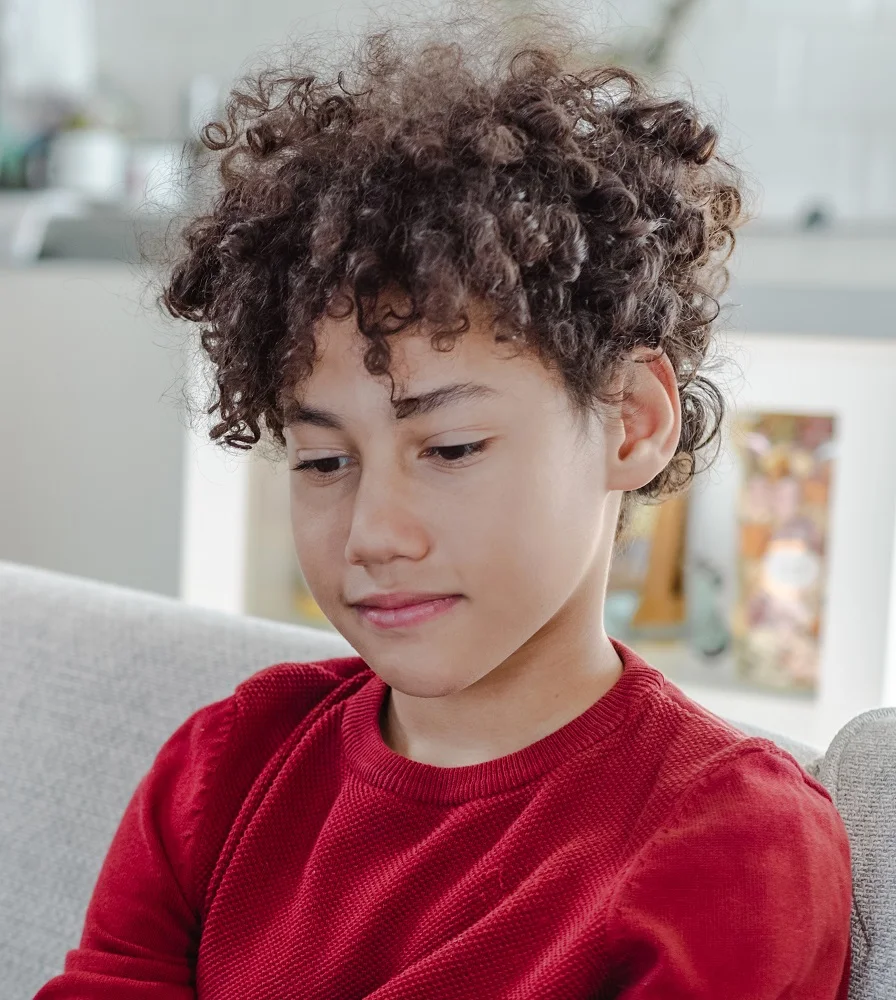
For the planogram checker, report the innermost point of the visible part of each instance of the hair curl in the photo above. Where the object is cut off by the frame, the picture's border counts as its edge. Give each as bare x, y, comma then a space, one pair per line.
590, 214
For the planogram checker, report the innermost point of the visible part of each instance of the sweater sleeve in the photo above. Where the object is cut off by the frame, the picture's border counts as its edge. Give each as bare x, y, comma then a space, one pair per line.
744, 893
141, 929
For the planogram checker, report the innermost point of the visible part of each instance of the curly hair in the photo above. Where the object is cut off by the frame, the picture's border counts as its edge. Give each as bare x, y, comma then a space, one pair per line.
590, 214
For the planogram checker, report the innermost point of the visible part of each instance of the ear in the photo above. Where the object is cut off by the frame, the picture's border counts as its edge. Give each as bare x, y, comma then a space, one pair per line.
643, 433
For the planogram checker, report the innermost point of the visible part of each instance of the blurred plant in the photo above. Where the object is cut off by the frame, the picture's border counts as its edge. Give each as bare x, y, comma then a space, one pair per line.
645, 50
652, 53
107, 106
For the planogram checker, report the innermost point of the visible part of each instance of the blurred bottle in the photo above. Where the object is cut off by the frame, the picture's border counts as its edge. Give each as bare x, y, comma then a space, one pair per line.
61, 123
47, 67
89, 151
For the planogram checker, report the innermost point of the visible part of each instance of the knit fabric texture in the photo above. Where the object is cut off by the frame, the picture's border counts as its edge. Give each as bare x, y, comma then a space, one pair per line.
647, 850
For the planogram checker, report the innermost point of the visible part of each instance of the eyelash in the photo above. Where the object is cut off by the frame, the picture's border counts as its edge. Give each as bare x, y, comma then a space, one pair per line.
477, 448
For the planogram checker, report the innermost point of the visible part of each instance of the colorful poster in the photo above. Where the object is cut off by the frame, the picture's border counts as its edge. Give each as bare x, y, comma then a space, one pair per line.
783, 516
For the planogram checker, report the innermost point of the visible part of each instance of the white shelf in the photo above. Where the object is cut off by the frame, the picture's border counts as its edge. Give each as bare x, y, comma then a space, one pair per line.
827, 259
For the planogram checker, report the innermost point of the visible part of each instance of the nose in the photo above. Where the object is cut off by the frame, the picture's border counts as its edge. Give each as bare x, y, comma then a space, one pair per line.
385, 524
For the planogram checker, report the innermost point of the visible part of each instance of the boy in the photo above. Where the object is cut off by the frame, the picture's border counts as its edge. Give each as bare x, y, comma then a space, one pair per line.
472, 305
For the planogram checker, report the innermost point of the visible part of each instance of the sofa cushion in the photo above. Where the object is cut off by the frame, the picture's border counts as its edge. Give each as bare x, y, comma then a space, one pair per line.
859, 770
95, 678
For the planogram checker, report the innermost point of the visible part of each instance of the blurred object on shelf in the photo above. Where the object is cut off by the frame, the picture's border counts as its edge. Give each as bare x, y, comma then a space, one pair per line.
648, 40
83, 146
47, 50
770, 630
25, 217
709, 631
652, 54
90, 161
23, 159
62, 124
645, 592
817, 216
47, 70
662, 604
783, 528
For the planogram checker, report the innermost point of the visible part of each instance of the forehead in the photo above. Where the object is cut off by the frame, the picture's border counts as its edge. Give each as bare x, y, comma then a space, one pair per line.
416, 365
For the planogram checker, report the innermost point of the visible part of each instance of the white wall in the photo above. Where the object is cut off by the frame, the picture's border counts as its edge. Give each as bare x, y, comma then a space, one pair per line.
91, 476
808, 87
154, 49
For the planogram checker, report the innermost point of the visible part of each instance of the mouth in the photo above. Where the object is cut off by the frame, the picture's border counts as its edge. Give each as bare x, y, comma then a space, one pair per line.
409, 614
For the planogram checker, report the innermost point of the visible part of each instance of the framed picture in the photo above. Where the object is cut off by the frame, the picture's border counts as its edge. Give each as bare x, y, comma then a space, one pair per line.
790, 543
751, 618
783, 520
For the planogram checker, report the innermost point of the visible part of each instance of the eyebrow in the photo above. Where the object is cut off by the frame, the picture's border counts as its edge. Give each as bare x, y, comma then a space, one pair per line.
407, 407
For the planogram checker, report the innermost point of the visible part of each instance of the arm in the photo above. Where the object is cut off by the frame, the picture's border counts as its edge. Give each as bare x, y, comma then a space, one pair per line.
745, 893
141, 930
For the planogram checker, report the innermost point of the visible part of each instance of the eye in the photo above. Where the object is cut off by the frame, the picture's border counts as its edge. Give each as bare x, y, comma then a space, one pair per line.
472, 448
313, 466
466, 451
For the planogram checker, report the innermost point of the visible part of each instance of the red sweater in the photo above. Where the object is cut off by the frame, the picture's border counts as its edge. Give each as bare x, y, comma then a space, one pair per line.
278, 849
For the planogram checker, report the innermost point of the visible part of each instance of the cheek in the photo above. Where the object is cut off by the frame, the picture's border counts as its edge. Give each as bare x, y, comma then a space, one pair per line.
501, 545
552, 529
315, 540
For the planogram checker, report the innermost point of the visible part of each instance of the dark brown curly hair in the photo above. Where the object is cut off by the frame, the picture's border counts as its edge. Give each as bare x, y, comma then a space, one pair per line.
589, 213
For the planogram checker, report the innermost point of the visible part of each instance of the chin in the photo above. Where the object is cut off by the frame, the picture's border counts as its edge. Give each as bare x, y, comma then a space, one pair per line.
412, 678
412, 690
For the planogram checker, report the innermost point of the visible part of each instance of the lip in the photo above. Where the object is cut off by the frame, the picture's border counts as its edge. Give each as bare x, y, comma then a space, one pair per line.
399, 599
409, 614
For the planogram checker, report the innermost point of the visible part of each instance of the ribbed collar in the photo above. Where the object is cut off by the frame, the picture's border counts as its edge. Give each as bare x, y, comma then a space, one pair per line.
376, 763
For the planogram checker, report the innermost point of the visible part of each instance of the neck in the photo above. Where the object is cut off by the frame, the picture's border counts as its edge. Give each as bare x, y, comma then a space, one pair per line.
522, 701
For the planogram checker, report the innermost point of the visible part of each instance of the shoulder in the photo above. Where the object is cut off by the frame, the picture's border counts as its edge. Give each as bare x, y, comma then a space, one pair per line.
222, 750
274, 707
694, 781
693, 744
751, 821
753, 787
278, 698
264, 710
744, 886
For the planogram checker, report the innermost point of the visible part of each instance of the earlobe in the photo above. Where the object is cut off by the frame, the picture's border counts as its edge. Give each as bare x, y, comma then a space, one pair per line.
645, 434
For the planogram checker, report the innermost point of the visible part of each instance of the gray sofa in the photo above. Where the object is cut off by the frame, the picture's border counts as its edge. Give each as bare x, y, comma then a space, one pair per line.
96, 677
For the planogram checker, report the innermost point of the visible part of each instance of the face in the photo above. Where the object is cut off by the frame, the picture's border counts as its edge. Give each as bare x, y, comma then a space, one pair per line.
500, 498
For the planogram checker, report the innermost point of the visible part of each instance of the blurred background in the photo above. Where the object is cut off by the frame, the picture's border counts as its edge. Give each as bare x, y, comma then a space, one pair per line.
768, 592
